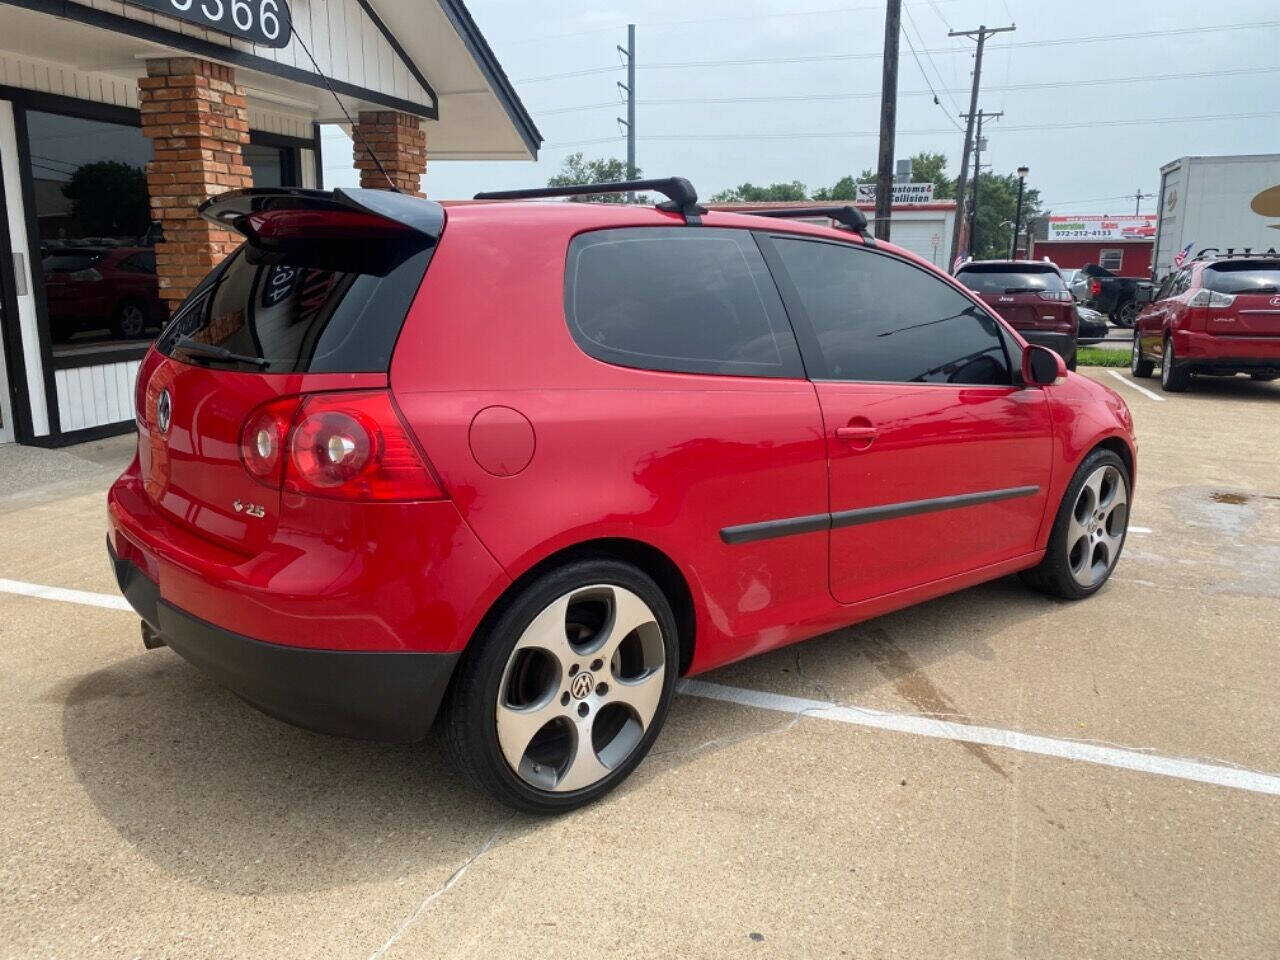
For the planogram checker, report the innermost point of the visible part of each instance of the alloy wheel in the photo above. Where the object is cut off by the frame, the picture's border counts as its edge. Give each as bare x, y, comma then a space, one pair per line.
1098, 522
133, 321
1135, 357
580, 688
1166, 363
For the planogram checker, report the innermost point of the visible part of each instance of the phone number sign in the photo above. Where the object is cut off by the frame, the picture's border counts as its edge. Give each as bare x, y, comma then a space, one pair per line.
262, 22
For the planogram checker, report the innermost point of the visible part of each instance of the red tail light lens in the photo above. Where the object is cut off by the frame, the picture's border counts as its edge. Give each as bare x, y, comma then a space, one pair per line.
263, 439
354, 446
1095, 287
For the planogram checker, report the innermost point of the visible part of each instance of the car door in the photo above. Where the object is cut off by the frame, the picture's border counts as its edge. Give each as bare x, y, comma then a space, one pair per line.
1151, 322
938, 460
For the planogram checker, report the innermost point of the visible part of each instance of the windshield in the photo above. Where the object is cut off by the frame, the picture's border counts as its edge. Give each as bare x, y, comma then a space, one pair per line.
70, 262
1243, 278
1009, 279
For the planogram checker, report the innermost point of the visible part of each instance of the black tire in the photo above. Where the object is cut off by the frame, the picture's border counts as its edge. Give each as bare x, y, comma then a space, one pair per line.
130, 319
1174, 377
471, 706
1053, 574
1128, 314
1071, 364
1139, 365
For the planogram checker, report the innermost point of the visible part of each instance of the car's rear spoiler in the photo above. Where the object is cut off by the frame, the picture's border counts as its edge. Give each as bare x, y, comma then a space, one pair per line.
234, 209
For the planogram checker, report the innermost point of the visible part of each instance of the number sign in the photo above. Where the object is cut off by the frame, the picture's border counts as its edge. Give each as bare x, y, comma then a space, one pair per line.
263, 22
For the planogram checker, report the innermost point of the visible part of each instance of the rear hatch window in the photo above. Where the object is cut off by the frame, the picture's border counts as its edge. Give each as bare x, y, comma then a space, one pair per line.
70, 262
1011, 279
1243, 278
295, 313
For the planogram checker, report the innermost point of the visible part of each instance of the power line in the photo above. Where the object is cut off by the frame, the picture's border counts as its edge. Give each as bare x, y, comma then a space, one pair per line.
821, 58
938, 73
936, 131
912, 47
654, 24
932, 91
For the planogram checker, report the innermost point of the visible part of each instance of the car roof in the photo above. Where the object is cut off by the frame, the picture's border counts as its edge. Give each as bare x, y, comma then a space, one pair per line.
600, 216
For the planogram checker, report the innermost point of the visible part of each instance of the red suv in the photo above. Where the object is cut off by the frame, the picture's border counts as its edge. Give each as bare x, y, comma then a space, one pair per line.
1216, 317
529, 463
1032, 296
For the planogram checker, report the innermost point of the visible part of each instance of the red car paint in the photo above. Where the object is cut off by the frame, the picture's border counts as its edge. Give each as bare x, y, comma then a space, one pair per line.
1214, 332
539, 448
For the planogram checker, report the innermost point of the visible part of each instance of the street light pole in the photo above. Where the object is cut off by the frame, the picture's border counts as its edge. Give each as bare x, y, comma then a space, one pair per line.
1017, 217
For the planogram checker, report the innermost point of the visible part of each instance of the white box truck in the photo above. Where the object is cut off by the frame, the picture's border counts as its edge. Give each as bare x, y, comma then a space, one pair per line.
1218, 206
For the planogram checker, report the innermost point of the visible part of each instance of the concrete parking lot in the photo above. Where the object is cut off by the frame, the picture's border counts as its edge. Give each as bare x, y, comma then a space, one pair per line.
1105, 785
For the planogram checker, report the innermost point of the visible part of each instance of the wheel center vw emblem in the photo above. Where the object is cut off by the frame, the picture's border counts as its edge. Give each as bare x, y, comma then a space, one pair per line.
164, 411
1275, 301
582, 685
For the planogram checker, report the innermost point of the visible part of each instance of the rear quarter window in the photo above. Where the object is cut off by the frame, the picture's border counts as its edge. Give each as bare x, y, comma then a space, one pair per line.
682, 299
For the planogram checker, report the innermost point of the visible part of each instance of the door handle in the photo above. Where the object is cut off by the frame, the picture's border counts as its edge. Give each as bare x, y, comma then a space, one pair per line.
857, 433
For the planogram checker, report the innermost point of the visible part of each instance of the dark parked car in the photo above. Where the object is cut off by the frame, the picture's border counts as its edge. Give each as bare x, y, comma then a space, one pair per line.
1101, 290
1031, 295
528, 463
103, 287
1091, 326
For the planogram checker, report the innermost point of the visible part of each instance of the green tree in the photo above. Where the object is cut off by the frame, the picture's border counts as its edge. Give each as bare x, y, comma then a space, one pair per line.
576, 170
109, 199
997, 204
774, 192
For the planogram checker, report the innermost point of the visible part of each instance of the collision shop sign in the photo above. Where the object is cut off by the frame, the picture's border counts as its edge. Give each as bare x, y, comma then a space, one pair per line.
1141, 227
902, 193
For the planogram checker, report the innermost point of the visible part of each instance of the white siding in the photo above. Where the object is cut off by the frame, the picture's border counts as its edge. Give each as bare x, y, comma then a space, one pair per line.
31, 74
345, 42
95, 396
272, 120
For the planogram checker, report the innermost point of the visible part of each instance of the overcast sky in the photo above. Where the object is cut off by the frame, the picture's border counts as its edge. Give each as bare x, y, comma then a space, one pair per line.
819, 118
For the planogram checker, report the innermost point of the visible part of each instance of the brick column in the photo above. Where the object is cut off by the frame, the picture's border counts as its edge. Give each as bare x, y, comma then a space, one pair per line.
398, 141
197, 118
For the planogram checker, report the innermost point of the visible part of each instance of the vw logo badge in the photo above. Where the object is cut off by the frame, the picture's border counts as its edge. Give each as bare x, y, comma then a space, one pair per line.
582, 685
164, 411
1275, 301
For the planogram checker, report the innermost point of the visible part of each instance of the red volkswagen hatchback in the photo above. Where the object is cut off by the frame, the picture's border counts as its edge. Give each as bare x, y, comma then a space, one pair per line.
527, 464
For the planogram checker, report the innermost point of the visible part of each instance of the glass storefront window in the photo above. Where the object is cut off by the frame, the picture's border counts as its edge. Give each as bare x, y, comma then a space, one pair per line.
269, 165
96, 240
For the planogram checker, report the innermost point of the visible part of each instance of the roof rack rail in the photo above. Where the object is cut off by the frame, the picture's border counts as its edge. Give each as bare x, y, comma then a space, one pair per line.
847, 214
681, 196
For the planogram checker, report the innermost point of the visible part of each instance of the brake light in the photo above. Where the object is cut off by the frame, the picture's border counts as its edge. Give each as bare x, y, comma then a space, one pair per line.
1095, 288
263, 439
1211, 298
1057, 296
321, 225
354, 446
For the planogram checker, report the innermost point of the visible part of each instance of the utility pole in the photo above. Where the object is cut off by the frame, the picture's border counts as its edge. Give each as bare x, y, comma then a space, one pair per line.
1137, 204
978, 143
980, 35
888, 117
630, 89
1017, 217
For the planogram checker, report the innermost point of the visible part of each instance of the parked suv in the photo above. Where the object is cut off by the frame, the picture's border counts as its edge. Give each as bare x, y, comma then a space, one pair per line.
1032, 296
529, 463
1216, 317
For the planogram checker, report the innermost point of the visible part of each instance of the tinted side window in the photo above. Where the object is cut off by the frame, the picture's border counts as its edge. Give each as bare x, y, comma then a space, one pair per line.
689, 300
879, 318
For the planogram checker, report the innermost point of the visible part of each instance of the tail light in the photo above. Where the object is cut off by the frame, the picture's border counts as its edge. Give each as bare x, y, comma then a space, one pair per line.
345, 446
1211, 298
1057, 296
1095, 288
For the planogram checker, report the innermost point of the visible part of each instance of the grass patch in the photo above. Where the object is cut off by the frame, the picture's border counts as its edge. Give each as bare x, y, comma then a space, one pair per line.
1097, 357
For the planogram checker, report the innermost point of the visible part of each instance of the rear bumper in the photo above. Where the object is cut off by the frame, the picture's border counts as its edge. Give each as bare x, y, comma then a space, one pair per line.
390, 696
1207, 351
1061, 343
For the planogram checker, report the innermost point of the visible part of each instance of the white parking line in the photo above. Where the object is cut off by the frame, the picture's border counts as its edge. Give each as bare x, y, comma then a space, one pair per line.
1218, 774
1133, 529
109, 600
1137, 386
1200, 771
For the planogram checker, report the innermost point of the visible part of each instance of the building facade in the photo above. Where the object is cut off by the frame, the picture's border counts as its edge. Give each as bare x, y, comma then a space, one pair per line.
1123, 245
117, 118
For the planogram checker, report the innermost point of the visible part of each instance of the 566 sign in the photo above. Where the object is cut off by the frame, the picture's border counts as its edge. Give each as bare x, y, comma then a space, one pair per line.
263, 22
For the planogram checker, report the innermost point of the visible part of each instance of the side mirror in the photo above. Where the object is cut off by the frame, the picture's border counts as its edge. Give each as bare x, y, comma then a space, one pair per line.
1041, 367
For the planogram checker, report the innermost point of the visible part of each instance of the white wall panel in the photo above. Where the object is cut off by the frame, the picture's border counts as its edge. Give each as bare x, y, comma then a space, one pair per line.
95, 396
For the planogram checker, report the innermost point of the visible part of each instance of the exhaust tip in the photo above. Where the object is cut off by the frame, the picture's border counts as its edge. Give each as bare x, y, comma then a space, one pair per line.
150, 639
